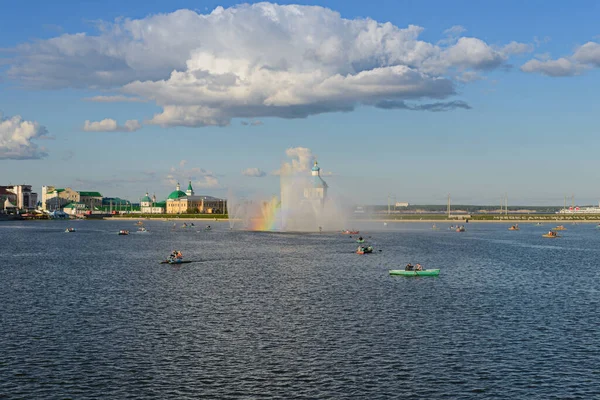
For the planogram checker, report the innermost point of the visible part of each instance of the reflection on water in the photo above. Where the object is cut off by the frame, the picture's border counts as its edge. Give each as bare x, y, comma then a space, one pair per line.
93, 314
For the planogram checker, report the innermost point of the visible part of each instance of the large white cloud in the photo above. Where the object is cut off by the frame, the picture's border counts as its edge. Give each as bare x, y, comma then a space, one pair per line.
583, 58
17, 136
110, 125
259, 60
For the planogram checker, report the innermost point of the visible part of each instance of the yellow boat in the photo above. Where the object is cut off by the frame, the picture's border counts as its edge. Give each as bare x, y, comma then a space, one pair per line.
513, 228
559, 228
550, 236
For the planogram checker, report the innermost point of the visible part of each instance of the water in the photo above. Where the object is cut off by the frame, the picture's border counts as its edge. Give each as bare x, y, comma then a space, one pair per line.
93, 315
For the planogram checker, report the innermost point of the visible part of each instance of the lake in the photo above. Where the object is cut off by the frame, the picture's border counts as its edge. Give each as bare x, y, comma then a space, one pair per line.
92, 314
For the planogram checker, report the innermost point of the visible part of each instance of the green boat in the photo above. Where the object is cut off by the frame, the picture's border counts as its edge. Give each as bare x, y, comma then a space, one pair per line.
425, 272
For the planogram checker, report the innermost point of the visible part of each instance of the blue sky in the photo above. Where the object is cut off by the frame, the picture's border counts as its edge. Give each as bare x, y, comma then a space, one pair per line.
210, 93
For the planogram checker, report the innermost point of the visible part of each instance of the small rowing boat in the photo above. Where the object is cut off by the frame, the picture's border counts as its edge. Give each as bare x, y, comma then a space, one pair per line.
425, 272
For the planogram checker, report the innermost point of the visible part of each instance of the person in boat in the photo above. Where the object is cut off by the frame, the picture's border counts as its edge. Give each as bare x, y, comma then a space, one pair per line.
418, 267
409, 267
360, 238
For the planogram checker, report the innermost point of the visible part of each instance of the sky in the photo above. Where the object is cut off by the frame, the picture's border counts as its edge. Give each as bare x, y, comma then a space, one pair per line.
404, 100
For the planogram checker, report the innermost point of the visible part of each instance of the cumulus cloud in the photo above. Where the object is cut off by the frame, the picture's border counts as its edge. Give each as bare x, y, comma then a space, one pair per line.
583, 58
115, 99
219, 65
17, 136
200, 177
254, 172
110, 125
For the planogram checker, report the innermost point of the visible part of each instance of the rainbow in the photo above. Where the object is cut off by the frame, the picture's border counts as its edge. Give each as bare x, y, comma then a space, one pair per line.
270, 217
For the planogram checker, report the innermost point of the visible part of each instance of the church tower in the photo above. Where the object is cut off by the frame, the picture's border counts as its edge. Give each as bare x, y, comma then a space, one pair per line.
190, 190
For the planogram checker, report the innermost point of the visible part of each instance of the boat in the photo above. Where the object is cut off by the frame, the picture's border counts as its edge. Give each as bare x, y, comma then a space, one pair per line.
425, 272
176, 262
559, 228
538, 224
347, 232
364, 249
435, 228
139, 223
547, 235
514, 228
360, 240
123, 232
142, 230
70, 230
460, 229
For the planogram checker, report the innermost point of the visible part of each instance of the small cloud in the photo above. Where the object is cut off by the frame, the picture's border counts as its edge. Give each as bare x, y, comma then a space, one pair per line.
455, 30
553, 68
433, 107
110, 125
254, 172
517, 48
584, 58
469, 76
252, 123
200, 177
115, 99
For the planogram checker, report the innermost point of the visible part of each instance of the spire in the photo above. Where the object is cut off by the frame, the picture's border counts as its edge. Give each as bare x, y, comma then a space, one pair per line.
178, 187
190, 190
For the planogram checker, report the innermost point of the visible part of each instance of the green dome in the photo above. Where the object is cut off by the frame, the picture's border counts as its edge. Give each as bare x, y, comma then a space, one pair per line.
176, 194
146, 199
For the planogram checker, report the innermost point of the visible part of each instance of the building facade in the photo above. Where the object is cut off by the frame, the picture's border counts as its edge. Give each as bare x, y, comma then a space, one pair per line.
151, 206
90, 199
317, 191
187, 202
55, 199
24, 198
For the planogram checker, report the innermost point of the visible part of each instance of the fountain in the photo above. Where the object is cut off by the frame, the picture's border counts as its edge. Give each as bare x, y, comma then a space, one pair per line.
305, 204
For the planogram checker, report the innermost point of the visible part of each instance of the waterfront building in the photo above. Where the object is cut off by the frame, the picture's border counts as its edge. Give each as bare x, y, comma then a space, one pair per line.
54, 198
188, 202
149, 205
91, 200
7, 194
75, 208
23, 199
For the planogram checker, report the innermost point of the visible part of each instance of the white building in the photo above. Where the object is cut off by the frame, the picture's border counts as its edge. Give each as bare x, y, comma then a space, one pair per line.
24, 198
317, 191
151, 206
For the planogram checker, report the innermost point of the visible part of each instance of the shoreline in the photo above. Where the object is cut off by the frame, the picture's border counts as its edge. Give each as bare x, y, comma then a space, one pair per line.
401, 221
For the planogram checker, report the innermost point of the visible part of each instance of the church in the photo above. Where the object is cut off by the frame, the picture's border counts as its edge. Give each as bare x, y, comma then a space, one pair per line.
188, 202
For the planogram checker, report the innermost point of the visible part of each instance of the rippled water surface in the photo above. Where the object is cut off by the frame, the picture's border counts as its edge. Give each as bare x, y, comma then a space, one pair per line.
92, 314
